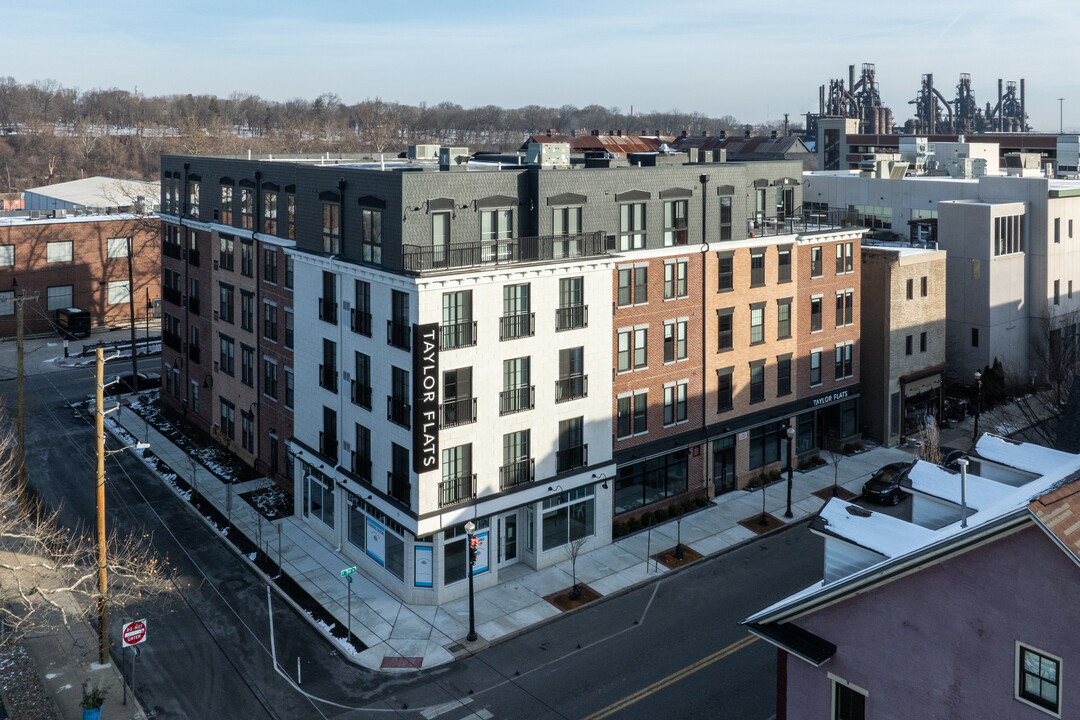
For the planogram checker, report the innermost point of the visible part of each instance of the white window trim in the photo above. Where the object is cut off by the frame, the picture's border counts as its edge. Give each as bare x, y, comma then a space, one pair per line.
836, 680
1016, 678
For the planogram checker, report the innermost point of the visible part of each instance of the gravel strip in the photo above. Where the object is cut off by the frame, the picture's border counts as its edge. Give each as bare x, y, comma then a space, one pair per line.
24, 693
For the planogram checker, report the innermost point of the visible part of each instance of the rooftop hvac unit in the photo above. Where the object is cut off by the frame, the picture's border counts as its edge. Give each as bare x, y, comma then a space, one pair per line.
553, 154
423, 152
453, 158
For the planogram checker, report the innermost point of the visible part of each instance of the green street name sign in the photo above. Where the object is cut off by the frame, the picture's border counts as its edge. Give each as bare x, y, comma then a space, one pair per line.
348, 571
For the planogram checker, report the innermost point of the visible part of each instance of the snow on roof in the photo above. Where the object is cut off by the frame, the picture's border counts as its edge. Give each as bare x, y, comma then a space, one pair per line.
883, 534
1022, 456
929, 479
19, 220
100, 191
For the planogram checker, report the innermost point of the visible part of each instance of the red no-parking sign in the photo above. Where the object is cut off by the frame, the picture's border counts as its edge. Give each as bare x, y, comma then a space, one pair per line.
134, 632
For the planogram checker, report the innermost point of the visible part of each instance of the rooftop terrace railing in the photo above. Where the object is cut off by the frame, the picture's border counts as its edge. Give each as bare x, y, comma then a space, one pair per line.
489, 253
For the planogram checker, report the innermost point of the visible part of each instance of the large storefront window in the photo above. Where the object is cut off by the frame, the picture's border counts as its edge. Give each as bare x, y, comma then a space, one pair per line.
318, 495
765, 444
650, 481
569, 516
455, 557
849, 417
381, 539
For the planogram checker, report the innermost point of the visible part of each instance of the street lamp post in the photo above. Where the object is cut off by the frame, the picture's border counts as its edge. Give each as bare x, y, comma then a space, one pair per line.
978, 403
790, 441
470, 528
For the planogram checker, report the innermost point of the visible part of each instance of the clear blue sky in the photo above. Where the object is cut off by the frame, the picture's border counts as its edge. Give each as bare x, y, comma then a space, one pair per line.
754, 61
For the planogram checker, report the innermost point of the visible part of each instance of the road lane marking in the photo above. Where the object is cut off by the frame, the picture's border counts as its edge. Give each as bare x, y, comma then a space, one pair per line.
672, 678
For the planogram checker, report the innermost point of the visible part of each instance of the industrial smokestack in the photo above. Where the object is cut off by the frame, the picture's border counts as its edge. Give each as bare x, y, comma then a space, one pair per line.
1023, 112
1001, 102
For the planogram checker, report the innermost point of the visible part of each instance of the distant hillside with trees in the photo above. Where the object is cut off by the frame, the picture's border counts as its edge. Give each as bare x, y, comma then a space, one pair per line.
50, 133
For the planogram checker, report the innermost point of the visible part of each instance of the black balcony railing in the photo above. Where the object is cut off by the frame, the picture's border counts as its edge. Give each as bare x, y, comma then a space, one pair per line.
517, 399
328, 445
194, 353
516, 473
360, 394
801, 221
398, 334
328, 377
398, 411
360, 322
172, 250
425, 258
571, 388
457, 412
328, 310
456, 490
398, 484
172, 341
570, 458
170, 295
571, 318
193, 304
457, 335
517, 326
360, 466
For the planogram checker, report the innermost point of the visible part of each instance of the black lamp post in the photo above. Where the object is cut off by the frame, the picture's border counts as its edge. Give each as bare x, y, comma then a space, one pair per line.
790, 441
978, 404
470, 528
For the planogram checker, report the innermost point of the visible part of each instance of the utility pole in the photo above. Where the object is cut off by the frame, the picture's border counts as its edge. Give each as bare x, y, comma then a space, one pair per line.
103, 581
21, 420
131, 312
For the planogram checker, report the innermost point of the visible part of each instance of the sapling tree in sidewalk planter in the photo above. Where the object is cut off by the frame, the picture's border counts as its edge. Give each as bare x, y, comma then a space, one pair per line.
93, 697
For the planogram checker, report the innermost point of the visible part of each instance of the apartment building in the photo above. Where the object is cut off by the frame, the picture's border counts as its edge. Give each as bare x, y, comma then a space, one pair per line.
903, 339
63, 260
1013, 254
534, 349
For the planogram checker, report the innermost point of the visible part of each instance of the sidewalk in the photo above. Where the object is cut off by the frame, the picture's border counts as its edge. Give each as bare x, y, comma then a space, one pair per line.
408, 637
45, 353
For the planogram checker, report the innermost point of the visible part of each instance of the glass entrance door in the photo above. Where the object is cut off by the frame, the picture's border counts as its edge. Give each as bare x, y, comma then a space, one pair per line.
508, 538
724, 464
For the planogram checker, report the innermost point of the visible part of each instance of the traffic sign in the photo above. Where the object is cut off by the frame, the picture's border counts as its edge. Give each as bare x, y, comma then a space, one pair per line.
348, 571
134, 632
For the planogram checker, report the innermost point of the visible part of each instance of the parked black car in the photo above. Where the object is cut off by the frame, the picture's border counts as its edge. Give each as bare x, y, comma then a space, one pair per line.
121, 384
950, 457
884, 486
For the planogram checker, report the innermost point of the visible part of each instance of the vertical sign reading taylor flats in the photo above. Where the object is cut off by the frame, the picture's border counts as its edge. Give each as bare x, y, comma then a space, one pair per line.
425, 397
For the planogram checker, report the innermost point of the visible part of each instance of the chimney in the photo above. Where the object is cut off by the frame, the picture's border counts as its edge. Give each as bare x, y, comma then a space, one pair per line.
704, 133
775, 134
573, 133
722, 134
749, 134
686, 133
620, 133
596, 133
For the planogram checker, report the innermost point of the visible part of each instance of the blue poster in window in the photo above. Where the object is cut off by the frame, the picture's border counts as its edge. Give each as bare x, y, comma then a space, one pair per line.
376, 541
422, 570
482, 558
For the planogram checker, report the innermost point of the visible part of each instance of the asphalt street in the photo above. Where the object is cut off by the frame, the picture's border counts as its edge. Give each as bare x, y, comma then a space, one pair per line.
669, 649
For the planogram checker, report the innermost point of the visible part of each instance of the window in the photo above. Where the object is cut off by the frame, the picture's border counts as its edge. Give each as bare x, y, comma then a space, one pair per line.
725, 218
193, 199
572, 452
457, 329
270, 320
908, 345
757, 381
631, 353
757, 323
840, 308
1057, 291
1037, 678
1009, 235
270, 213
331, 228
247, 258
572, 311
227, 355
226, 205
815, 261
922, 342
815, 313
318, 495
227, 418
517, 394
517, 459
675, 224
371, 235
270, 261
724, 392
247, 365
118, 247
567, 517
270, 378
572, 382
765, 444
725, 271
195, 396
675, 279
120, 292
910, 288
247, 207
7, 255
844, 367
783, 264
757, 267
456, 485
632, 414
848, 703
247, 431
675, 403
225, 255
923, 286
783, 375
631, 226
361, 460
496, 230
1057, 230
839, 258
815, 368
633, 286
58, 251
849, 257
225, 307
783, 318
361, 313
247, 310
674, 340
288, 328
976, 266
290, 216
725, 329
328, 375
59, 296
361, 382
650, 481
517, 318
566, 221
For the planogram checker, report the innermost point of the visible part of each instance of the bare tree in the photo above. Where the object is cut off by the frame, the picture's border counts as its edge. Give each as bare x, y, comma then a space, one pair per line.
573, 551
834, 445
929, 441
1055, 348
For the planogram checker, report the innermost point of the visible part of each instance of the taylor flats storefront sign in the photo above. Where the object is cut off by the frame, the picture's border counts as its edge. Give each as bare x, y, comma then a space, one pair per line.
425, 397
